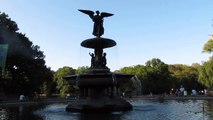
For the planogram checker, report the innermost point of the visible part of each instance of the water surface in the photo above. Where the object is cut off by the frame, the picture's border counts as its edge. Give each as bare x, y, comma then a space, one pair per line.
142, 110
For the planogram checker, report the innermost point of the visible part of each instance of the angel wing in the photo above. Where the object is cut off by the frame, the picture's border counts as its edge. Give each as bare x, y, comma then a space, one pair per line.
88, 12
105, 14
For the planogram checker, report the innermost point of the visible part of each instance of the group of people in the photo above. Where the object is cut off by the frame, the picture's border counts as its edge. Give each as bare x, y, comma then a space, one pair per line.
182, 92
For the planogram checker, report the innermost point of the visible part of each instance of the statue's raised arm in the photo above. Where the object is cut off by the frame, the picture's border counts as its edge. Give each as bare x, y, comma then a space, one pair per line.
98, 28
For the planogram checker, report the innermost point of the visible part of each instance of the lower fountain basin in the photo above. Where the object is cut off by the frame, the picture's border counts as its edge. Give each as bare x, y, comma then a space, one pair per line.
99, 92
104, 79
101, 105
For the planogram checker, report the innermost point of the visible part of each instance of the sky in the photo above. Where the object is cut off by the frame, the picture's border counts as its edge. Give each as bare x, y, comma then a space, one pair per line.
174, 31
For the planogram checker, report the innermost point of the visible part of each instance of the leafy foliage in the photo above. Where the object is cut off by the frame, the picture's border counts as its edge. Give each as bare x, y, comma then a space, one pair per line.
186, 76
154, 76
81, 70
206, 70
158, 79
26, 71
206, 73
62, 85
208, 47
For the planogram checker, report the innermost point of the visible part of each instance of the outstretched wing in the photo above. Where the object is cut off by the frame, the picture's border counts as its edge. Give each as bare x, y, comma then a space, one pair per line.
105, 14
88, 12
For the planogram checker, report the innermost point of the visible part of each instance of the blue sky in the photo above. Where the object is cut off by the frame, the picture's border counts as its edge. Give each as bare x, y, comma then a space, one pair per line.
171, 30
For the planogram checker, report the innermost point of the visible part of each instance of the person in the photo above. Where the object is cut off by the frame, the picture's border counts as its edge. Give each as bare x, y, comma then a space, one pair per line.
171, 92
205, 91
182, 89
21, 98
177, 93
185, 93
123, 94
150, 94
194, 92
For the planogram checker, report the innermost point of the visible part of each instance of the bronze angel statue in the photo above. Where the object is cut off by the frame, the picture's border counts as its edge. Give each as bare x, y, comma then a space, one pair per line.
98, 29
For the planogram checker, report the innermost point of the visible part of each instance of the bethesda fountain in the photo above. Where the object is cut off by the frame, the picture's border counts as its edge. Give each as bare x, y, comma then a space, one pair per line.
98, 88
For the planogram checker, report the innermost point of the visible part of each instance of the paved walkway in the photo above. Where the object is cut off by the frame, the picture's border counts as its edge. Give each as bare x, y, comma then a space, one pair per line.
34, 102
168, 97
145, 97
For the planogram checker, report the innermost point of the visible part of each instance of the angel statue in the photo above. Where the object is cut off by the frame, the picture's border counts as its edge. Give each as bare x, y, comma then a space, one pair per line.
98, 28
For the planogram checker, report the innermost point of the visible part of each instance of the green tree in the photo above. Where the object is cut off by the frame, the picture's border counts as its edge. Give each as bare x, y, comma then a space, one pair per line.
81, 70
48, 86
206, 73
126, 87
62, 85
185, 75
158, 78
25, 62
155, 76
208, 47
206, 70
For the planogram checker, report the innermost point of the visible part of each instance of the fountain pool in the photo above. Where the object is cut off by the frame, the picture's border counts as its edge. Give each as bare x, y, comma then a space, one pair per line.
142, 110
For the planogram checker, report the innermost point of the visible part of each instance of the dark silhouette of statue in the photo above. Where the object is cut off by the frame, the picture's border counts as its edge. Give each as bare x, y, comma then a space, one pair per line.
104, 59
98, 29
92, 59
98, 87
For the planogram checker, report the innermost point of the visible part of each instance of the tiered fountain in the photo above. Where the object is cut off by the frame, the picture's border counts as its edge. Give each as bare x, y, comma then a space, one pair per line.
99, 88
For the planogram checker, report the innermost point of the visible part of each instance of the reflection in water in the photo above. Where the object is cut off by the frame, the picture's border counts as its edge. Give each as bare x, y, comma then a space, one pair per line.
142, 110
100, 117
19, 112
208, 108
3, 114
57, 112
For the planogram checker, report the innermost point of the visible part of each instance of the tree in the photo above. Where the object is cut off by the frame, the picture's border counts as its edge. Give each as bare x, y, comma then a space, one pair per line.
158, 78
206, 70
185, 75
206, 73
26, 71
48, 85
126, 87
62, 85
208, 47
155, 76
81, 70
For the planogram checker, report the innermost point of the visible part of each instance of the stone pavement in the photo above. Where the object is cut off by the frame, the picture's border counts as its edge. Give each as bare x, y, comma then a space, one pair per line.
143, 97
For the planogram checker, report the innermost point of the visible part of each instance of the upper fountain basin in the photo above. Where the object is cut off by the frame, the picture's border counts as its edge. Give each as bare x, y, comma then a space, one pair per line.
98, 43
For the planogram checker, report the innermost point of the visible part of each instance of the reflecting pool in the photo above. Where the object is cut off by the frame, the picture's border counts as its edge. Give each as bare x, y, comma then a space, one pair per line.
142, 110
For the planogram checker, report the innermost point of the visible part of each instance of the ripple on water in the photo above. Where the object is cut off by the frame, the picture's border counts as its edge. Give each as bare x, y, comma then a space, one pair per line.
142, 110
168, 110
56, 112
